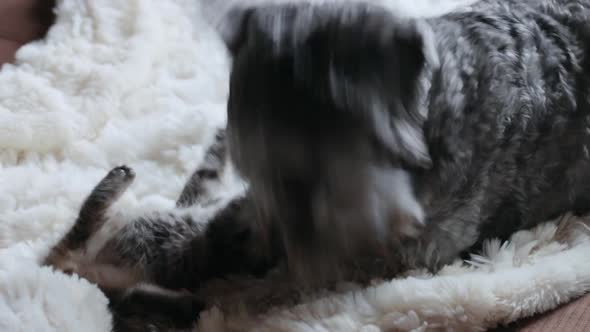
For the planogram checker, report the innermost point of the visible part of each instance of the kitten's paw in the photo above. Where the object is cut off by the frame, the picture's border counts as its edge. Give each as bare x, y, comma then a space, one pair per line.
118, 179
123, 172
112, 185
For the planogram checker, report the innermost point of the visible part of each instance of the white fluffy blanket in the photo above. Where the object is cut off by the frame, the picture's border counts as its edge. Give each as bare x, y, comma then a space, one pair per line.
144, 82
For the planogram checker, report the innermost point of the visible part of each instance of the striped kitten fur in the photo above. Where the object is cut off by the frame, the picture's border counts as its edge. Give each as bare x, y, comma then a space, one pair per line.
152, 266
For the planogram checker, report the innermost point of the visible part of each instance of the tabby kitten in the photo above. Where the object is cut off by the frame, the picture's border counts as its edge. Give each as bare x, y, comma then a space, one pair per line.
150, 268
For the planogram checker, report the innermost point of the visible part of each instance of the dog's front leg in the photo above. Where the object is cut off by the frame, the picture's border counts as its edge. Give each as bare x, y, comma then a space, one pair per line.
442, 242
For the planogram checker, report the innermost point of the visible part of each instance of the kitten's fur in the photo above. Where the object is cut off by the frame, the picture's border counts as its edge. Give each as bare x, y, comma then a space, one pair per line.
365, 133
151, 266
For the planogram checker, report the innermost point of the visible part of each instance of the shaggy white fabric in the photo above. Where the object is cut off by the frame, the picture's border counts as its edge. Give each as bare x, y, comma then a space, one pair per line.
144, 82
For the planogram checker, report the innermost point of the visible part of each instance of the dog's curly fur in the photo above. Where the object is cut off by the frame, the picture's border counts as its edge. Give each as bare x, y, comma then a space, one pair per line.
362, 132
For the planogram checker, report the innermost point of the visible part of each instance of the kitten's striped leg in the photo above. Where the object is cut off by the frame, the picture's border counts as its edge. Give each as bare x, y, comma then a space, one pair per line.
92, 215
196, 190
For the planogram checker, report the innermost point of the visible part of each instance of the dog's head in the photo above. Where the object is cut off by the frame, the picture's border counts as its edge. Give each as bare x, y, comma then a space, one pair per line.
325, 120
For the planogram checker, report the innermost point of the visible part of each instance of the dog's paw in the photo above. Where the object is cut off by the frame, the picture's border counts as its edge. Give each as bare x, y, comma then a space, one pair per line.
410, 226
190, 306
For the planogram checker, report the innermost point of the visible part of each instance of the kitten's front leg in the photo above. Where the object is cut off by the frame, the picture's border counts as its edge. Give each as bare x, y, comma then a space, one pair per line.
91, 218
197, 190
92, 215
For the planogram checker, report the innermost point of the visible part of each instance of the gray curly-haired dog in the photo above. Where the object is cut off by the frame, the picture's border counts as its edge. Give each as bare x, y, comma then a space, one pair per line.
363, 134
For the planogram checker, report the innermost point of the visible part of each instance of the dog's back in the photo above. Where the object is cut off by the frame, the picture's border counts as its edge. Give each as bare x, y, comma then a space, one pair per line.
368, 125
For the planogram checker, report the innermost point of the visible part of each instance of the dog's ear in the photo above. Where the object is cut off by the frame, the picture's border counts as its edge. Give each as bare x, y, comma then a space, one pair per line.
413, 50
233, 28
383, 81
413, 45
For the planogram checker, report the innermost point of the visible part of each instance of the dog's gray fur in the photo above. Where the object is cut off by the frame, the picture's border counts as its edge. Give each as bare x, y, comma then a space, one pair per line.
362, 132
